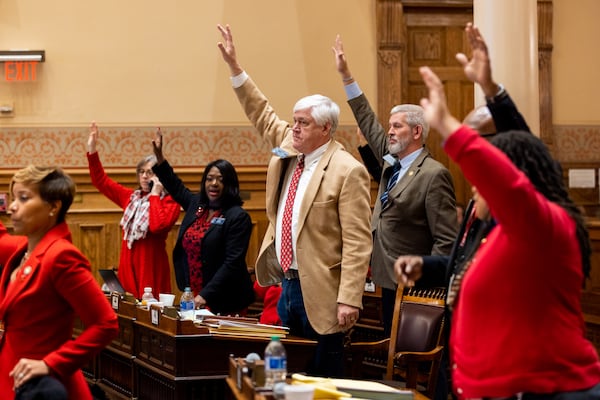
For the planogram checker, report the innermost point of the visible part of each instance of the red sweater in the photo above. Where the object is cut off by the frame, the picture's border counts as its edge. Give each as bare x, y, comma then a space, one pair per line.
517, 325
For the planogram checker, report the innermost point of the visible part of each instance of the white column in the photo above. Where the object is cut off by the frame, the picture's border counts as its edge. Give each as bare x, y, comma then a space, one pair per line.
510, 30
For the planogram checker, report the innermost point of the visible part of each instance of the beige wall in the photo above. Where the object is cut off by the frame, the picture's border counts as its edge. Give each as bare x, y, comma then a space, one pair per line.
149, 62
132, 65
576, 62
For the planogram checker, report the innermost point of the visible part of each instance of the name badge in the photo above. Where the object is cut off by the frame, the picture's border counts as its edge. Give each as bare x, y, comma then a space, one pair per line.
279, 152
217, 221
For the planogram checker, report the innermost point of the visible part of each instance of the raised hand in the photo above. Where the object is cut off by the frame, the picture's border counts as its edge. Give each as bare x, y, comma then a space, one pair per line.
228, 50
436, 108
157, 144
340, 59
478, 69
92, 138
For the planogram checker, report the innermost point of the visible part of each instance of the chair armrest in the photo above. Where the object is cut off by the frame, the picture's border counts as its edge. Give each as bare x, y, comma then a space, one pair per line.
413, 356
382, 344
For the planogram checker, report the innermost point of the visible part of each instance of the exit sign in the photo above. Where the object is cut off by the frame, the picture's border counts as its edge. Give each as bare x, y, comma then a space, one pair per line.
20, 71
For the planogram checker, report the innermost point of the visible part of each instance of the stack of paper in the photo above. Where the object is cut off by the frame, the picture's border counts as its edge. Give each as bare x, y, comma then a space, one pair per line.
233, 327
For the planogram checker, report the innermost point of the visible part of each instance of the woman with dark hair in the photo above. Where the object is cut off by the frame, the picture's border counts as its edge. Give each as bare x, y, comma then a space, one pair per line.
517, 329
149, 213
46, 283
210, 253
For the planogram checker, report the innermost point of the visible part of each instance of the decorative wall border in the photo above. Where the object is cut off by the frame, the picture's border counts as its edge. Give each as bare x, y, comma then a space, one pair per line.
188, 146
577, 143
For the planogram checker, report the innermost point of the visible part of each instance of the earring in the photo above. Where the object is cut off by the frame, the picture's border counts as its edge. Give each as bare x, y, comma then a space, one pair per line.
52, 214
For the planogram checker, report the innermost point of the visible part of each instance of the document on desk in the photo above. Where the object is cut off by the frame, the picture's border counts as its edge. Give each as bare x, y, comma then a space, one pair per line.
232, 327
371, 390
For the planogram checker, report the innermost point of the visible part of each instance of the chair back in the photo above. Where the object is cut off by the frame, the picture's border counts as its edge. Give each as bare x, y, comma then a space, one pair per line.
420, 319
416, 340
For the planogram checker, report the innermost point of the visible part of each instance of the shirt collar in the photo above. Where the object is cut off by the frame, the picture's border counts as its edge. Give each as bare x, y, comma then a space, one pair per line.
408, 160
315, 155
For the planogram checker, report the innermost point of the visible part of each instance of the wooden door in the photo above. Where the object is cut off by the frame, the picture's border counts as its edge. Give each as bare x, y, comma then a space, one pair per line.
411, 34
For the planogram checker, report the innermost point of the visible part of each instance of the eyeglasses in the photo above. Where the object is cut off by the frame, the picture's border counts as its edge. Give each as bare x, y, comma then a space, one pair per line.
147, 172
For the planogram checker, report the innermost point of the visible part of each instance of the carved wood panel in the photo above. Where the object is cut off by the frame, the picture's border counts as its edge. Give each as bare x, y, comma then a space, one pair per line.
415, 33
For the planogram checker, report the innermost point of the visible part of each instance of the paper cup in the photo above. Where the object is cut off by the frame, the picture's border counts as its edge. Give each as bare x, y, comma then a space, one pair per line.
299, 392
166, 299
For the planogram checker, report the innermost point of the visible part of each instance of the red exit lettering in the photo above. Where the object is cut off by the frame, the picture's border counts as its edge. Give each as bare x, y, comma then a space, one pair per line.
17, 71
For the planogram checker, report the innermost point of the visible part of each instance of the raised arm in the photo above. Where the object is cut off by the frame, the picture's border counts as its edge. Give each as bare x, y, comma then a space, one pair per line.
436, 108
341, 62
228, 50
92, 138
478, 70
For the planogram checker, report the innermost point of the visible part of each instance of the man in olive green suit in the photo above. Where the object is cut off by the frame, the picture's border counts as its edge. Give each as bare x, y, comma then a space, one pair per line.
324, 279
414, 213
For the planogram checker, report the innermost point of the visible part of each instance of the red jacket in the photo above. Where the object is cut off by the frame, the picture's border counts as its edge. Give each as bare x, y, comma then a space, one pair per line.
8, 245
517, 325
270, 296
147, 262
39, 307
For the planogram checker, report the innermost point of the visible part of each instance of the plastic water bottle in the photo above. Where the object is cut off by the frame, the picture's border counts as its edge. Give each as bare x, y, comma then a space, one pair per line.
186, 304
275, 366
147, 297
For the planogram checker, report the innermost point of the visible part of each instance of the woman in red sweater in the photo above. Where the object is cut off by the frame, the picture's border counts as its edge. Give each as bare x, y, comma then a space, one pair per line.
517, 329
149, 213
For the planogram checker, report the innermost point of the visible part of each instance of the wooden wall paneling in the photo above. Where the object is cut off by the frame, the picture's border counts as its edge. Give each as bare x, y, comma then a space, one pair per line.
391, 57
430, 33
94, 220
545, 47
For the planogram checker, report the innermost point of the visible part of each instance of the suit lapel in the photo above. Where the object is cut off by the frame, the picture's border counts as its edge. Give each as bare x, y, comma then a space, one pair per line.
27, 276
408, 176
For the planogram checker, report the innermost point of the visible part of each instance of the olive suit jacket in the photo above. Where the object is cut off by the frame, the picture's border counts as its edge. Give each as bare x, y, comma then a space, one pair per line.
420, 214
333, 242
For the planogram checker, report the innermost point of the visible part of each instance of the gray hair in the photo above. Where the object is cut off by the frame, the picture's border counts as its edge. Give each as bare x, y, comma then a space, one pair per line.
151, 158
323, 110
415, 115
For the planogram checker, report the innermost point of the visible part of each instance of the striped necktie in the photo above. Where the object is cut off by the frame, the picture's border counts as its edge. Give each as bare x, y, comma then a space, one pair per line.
391, 182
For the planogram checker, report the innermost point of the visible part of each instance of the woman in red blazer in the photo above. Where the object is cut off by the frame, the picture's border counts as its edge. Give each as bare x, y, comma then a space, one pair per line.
149, 213
44, 285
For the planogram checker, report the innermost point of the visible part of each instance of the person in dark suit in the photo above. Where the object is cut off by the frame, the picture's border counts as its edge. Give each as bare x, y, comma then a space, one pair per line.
500, 115
210, 252
414, 214
319, 244
47, 282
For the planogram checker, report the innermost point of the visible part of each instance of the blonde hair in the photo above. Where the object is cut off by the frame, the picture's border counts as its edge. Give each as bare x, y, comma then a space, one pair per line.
52, 184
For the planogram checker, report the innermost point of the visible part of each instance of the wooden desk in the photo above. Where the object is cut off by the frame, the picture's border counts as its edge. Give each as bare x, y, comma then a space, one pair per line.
174, 359
246, 392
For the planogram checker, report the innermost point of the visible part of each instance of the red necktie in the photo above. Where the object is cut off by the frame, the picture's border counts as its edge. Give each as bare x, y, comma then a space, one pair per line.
286, 222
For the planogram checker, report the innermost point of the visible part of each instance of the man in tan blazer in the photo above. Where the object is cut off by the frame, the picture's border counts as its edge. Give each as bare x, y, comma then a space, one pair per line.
415, 214
331, 239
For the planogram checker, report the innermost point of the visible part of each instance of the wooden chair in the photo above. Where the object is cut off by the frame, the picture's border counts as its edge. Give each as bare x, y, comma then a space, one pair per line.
414, 350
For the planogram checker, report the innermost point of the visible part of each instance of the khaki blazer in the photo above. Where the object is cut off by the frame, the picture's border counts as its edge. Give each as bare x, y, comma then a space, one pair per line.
334, 241
420, 215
